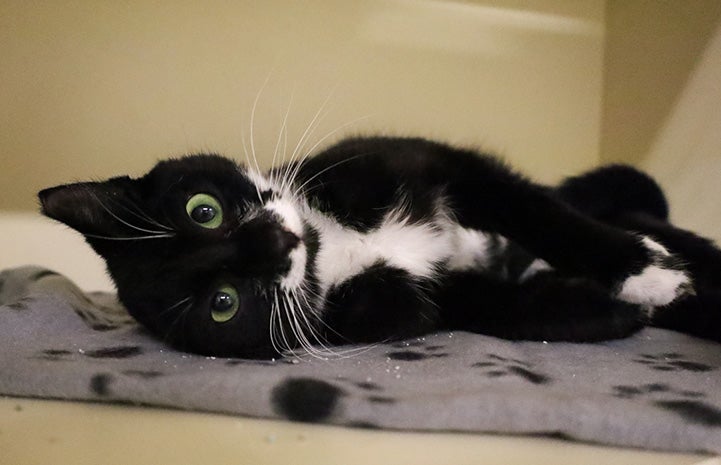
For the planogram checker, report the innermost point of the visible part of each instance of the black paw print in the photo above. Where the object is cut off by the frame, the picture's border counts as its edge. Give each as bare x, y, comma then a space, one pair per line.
411, 355
21, 304
116, 352
671, 361
645, 390
497, 366
684, 403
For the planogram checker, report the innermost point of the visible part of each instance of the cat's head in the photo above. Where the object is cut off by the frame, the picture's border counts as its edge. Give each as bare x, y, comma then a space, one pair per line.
203, 252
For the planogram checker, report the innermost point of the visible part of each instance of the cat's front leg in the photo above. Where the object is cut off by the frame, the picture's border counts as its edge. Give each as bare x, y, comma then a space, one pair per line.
382, 303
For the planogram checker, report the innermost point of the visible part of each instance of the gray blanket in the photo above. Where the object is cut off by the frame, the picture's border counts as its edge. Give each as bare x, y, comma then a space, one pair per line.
658, 390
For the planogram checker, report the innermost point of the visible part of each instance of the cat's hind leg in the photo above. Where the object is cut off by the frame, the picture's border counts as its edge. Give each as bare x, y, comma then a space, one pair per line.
698, 315
634, 267
700, 255
545, 307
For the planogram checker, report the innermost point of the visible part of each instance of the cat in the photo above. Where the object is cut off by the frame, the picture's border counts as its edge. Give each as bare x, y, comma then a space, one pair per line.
385, 238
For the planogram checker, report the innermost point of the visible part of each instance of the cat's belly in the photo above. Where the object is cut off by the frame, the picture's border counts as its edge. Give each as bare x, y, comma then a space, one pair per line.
423, 250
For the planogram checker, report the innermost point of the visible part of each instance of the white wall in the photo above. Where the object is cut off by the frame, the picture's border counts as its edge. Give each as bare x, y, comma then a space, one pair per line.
686, 155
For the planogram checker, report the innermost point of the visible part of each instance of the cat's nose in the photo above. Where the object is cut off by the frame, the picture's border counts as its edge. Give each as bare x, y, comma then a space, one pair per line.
283, 241
263, 244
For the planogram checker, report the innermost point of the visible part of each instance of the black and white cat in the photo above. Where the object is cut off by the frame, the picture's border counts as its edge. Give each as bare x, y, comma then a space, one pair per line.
380, 238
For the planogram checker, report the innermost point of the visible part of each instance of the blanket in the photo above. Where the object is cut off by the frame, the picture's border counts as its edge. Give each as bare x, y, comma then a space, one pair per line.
657, 390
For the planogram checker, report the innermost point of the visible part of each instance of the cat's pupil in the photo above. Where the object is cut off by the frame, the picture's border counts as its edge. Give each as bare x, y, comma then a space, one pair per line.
203, 213
222, 301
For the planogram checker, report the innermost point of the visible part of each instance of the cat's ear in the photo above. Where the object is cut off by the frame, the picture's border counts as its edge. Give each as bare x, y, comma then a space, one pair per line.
88, 207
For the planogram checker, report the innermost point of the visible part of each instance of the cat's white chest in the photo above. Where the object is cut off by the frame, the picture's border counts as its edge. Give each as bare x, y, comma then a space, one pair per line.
421, 249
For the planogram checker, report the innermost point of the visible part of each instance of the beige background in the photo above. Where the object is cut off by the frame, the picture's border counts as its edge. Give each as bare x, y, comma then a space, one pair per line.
93, 89
90, 89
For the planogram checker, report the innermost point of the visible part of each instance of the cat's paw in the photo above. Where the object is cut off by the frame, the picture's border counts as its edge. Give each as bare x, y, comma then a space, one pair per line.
663, 280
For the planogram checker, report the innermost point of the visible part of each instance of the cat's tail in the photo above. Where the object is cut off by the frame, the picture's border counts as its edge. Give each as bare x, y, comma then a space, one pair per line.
610, 191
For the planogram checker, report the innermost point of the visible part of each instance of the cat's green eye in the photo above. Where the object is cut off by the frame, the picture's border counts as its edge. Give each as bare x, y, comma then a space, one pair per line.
205, 210
224, 304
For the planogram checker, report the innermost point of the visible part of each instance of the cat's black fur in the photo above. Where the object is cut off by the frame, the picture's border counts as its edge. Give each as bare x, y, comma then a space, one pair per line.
381, 238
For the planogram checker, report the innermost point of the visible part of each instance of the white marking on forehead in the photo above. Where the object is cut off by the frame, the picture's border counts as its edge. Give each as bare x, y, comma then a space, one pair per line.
258, 179
287, 212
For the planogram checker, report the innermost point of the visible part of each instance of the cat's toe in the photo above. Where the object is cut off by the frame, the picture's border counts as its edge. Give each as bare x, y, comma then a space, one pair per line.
663, 280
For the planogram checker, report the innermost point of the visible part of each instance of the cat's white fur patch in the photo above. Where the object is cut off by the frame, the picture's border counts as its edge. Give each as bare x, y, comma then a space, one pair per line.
295, 276
345, 252
655, 285
260, 181
655, 246
536, 266
470, 249
287, 212
417, 248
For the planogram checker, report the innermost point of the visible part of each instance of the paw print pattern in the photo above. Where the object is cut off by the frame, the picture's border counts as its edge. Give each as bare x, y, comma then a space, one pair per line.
496, 366
99, 312
115, 352
20, 305
684, 403
415, 350
632, 392
671, 361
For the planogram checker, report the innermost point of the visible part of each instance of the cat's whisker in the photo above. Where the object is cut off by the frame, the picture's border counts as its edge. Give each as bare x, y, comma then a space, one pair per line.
328, 350
313, 333
298, 330
290, 167
176, 305
308, 153
312, 125
313, 343
284, 307
184, 311
252, 132
282, 134
131, 226
275, 323
293, 322
295, 326
252, 122
250, 168
299, 189
140, 214
317, 338
131, 238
